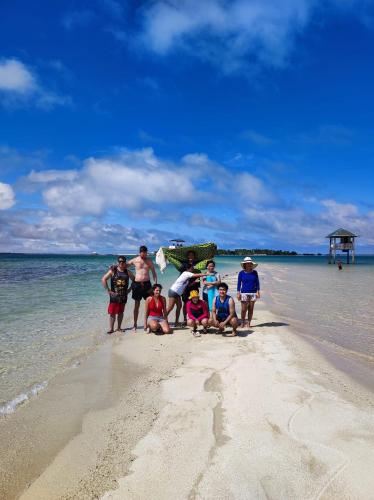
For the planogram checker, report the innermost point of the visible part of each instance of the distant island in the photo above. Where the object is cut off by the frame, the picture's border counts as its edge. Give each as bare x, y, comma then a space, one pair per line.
254, 251
259, 251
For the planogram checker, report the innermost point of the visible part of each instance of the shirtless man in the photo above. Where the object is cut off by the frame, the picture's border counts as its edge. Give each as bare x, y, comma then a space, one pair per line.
141, 288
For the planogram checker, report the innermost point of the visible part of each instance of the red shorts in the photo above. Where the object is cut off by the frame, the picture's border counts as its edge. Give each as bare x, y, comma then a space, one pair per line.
116, 308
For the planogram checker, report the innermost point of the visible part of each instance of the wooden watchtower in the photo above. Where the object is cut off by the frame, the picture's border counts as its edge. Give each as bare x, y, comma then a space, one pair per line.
345, 243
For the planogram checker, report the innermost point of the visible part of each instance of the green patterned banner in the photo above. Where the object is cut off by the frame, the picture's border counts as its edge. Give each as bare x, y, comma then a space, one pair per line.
178, 256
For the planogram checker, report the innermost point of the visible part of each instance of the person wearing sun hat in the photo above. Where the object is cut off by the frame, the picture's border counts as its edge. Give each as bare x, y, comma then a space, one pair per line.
248, 289
197, 313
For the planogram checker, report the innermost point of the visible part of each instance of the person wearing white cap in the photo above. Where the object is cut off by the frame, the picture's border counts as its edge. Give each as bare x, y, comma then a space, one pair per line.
248, 289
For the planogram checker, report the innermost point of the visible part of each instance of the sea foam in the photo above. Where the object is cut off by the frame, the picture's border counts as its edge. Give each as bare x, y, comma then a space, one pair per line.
11, 406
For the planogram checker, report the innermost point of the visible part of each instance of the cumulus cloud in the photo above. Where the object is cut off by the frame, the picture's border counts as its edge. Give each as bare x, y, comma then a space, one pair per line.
226, 33
7, 198
196, 197
132, 180
307, 226
340, 211
15, 77
19, 85
60, 233
237, 34
251, 189
139, 181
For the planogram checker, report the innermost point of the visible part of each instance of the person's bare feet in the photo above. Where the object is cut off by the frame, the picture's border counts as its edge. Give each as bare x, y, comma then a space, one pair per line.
231, 334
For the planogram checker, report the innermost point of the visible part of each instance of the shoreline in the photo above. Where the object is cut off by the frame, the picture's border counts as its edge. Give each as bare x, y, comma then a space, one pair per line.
354, 364
103, 444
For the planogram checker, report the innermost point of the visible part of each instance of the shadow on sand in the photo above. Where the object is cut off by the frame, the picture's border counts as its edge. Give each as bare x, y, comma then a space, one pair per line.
244, 333
271, 323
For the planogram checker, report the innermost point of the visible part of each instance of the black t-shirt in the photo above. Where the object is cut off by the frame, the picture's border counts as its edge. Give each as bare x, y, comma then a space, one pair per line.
119, 284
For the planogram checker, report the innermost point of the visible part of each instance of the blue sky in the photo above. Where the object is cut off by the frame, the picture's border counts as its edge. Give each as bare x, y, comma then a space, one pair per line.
239, 122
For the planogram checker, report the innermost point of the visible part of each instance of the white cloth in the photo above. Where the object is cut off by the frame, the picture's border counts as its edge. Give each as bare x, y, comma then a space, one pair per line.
161, 260
181, 283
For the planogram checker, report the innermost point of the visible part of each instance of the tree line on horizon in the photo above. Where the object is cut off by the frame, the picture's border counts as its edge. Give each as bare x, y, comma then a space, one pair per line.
254, 251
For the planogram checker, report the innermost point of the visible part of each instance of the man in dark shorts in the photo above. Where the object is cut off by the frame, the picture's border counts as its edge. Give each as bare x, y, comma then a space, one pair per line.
223, 313
118, 290
141, 287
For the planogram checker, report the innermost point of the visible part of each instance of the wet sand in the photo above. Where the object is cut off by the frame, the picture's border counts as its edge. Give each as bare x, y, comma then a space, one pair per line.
262, 415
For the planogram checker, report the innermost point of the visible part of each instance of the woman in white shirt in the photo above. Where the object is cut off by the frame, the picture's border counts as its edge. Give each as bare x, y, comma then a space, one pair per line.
176, 290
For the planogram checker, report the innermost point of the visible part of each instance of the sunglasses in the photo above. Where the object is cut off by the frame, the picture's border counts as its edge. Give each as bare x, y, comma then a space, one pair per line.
121, 261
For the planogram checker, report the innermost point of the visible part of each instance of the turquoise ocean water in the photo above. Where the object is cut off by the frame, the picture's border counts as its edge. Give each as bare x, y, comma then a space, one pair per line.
53, 310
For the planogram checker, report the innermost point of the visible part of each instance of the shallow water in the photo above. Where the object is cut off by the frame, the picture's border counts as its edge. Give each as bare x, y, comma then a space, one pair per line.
53, 310
331, 306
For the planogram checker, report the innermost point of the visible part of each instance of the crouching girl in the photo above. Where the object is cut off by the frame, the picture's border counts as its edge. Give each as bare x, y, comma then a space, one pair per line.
197, 313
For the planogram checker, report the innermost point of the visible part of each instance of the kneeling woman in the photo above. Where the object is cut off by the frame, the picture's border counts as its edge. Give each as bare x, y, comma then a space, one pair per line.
155, 312
197, 313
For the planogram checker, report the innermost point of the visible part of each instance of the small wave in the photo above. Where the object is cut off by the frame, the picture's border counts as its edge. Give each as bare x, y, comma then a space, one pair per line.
11, 406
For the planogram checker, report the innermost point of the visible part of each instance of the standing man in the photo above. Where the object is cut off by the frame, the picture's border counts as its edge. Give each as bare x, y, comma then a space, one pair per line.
118, 290
141, 287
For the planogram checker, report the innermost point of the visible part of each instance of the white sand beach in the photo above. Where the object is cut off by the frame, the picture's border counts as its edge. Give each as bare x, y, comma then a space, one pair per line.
259, 416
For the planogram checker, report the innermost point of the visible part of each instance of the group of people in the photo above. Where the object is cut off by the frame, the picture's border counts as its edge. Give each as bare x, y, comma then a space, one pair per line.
214, 309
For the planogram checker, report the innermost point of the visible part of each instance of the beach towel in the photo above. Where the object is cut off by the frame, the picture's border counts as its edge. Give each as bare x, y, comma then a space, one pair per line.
178, 256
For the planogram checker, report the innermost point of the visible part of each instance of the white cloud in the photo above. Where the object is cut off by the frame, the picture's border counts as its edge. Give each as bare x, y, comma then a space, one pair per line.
7, 198
56, 233
339, 211
227, 33
301, 226
251, 189
19, 85
145, 186
196, 198
133, 181
237, 34
16, 77
46, 176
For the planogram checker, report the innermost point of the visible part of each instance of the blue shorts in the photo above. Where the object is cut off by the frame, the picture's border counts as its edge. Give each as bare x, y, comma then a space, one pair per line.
221, 318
